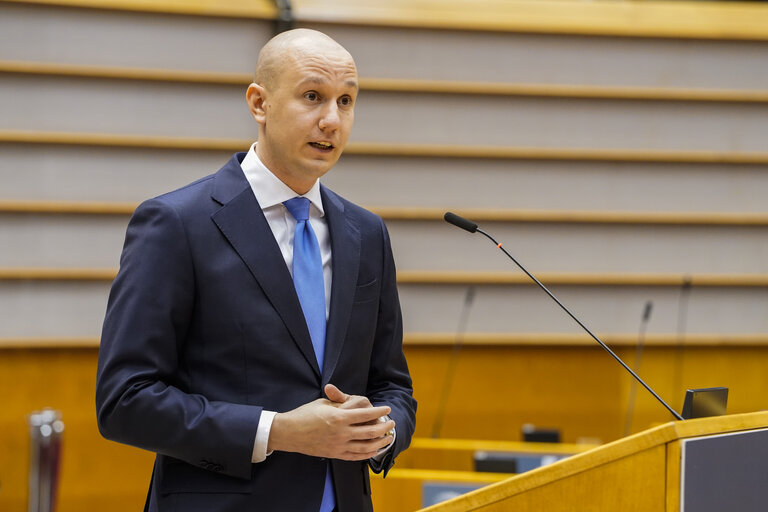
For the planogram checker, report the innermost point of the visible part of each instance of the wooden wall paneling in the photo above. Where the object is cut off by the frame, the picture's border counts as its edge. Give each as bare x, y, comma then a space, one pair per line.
458, 454
402, 488
95, 474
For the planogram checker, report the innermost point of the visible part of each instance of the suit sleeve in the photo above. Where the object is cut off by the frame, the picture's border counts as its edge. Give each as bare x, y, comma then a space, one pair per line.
389, 382
139, 398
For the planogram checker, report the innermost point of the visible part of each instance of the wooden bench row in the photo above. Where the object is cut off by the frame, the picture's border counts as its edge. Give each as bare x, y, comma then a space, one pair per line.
395, 149
469, 278
436, 214
723, 21
56, 69
439, 340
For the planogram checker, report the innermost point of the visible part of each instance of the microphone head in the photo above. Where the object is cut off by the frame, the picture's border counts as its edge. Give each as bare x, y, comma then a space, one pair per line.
460, 222
647, 310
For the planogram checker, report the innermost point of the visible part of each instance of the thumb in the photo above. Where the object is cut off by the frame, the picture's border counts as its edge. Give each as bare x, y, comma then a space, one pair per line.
334, 394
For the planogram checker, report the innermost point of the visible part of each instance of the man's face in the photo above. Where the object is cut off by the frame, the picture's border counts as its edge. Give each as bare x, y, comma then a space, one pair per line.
307, 115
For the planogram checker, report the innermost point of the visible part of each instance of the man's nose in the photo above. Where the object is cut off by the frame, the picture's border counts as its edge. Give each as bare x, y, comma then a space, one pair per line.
330, 118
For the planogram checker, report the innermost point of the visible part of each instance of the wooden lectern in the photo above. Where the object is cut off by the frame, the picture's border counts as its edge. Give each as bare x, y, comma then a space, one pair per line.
701, 465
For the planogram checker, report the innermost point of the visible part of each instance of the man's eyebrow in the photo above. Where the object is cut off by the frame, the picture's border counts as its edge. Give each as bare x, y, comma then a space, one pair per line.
314, 80
321, 80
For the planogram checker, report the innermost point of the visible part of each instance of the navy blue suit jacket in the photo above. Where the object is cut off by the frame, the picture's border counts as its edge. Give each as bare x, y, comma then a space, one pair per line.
204, 329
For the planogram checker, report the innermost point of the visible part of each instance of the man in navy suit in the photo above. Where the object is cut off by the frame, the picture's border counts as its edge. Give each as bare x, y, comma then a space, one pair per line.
208, 357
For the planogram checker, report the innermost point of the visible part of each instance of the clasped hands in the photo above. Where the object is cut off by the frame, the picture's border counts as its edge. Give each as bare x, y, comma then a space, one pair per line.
342, 426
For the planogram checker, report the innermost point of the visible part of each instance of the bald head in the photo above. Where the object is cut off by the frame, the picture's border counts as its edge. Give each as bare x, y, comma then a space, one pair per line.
284, 49
303, 100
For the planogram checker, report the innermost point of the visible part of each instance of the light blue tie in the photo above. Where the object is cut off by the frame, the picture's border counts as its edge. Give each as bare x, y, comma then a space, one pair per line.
310, 287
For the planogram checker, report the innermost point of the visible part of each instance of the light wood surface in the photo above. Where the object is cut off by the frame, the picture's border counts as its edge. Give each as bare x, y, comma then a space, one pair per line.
714, 20
578, 216
628, 474
503, 339
260, 9
383, 149
436, 214
578, 389
458, 454
739, 21
495, 390
424, 277
553, 339
581, 279
68, 207
400, 84
673, 476
95, 474
402, 488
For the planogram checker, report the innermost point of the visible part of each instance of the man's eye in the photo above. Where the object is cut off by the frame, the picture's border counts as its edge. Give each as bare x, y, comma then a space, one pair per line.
311, 96
345, 101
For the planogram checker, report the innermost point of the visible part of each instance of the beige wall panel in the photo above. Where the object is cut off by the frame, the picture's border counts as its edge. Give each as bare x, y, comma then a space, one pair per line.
76, 308
526, 308
540, 185
229, 44
569, 123
52, 309
121, 38
436, 245
61, 240
32, 171
80, 173
45, 240
499, 57
128, 107
220, 111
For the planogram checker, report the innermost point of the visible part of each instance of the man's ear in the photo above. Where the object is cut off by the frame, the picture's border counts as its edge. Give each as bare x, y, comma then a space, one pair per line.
256, 96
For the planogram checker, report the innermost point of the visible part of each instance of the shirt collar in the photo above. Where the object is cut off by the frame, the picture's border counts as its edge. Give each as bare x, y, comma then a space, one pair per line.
268, 188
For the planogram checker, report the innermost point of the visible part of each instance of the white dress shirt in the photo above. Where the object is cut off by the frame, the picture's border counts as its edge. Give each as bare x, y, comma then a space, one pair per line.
270, 192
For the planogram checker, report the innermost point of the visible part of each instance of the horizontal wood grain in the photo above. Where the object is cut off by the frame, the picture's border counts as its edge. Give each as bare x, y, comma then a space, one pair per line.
419, 277
384, 149
440, 340
695, 20
400, 84
436, 214
629, 470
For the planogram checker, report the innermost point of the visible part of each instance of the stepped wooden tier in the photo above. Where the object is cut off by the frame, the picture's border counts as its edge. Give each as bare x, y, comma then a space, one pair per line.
703, 464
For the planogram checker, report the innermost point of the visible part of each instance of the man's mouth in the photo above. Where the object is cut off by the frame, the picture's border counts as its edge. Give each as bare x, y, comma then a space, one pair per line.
322, 145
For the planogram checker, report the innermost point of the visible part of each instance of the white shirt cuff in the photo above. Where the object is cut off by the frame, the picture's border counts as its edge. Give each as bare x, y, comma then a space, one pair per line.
380, 456
262, 436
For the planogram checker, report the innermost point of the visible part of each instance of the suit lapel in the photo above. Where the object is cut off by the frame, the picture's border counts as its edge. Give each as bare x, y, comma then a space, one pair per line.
242, 222
345, 250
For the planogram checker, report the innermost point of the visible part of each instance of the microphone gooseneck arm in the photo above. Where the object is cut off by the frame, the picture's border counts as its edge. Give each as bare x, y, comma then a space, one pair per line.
472, 227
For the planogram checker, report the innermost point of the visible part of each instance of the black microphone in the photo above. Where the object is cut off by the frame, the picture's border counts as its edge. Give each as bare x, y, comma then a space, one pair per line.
461, 222
472, 227
638, 359
461, 330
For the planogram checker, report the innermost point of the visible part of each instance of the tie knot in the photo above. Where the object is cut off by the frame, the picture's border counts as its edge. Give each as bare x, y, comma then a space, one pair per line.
299, 208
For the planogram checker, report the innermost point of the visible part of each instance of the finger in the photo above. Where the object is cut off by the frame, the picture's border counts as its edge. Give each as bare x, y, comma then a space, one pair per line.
372, 422
371, 432
364, 415
334, 394
356, 402
352, 456
366, 447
